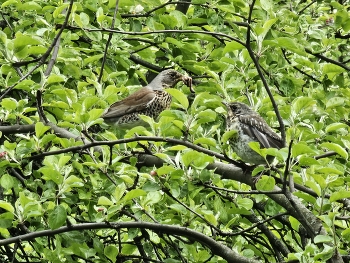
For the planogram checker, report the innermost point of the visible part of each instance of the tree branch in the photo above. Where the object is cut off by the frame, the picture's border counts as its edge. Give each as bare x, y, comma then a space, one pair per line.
216, 247
327, 59
44, 57
108, 41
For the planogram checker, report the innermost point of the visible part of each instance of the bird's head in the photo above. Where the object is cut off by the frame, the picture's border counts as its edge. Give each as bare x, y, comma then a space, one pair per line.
169, 78
238, 108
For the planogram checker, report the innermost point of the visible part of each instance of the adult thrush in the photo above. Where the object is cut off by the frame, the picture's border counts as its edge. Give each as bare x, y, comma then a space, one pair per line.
251, 127
150, 100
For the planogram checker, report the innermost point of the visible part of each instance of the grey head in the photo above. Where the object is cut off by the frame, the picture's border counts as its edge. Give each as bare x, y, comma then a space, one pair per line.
239, 109
168, 79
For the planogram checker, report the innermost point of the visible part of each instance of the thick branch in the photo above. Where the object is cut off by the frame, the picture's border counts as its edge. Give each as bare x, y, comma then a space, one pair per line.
215, 246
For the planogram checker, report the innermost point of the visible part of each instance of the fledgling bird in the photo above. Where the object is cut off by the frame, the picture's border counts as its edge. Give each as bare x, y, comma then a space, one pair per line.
150, 100
251, 127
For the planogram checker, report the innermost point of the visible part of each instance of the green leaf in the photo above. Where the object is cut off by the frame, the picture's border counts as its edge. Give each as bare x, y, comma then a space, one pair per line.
9, 2
307, 161
335, 126
301, 148
321, 182
322, 239
294, 223
168, 20
335, 102
84, 18
119, 191
256, 147
337, 148
342, 194
40, 129
133, 194
53, 78
227, 136
266, 183
302, 103
6, 206
29, 6
181, 19
102, 200
165, 169
179, 96
7, 181
211, 218
346, 234
174, 41
245, 203
206, 116
9, 103
57, 217
290, 43
232, 46
266, 28
314, 186
111, 252
22, 40
287, 86
331, 68
91, 59
26, 84
266, 4
71, 182
51, 174
196, 159
205, 141
64, 159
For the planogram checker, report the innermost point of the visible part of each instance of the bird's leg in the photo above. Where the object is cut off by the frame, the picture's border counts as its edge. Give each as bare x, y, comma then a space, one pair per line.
260, 174
85, 132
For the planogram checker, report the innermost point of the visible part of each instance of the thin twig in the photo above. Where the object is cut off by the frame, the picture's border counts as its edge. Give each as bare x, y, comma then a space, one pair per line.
44, 57
160, 32
286, 170
261, 75
305, 7
332, 61
108, 41
297, 69
134, 139
242, 192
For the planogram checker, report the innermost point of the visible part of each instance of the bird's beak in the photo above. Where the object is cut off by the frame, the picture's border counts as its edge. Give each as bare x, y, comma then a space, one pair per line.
188, 82
228, 108
226, 104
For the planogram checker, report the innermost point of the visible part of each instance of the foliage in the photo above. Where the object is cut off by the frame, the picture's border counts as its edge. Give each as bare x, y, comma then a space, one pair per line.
64, 199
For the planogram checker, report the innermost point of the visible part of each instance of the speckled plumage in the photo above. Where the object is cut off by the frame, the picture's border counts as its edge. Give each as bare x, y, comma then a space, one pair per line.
150, 100
251, 127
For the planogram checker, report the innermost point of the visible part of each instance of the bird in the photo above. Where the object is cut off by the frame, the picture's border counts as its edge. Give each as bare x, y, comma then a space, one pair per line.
250, 127
150, 100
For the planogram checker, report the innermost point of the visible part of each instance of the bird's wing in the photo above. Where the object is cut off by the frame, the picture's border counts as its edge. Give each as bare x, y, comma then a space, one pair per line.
256, 127
137, 101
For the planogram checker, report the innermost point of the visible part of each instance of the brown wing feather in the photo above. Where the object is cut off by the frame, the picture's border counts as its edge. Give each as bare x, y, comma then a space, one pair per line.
257, 128
135, 102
